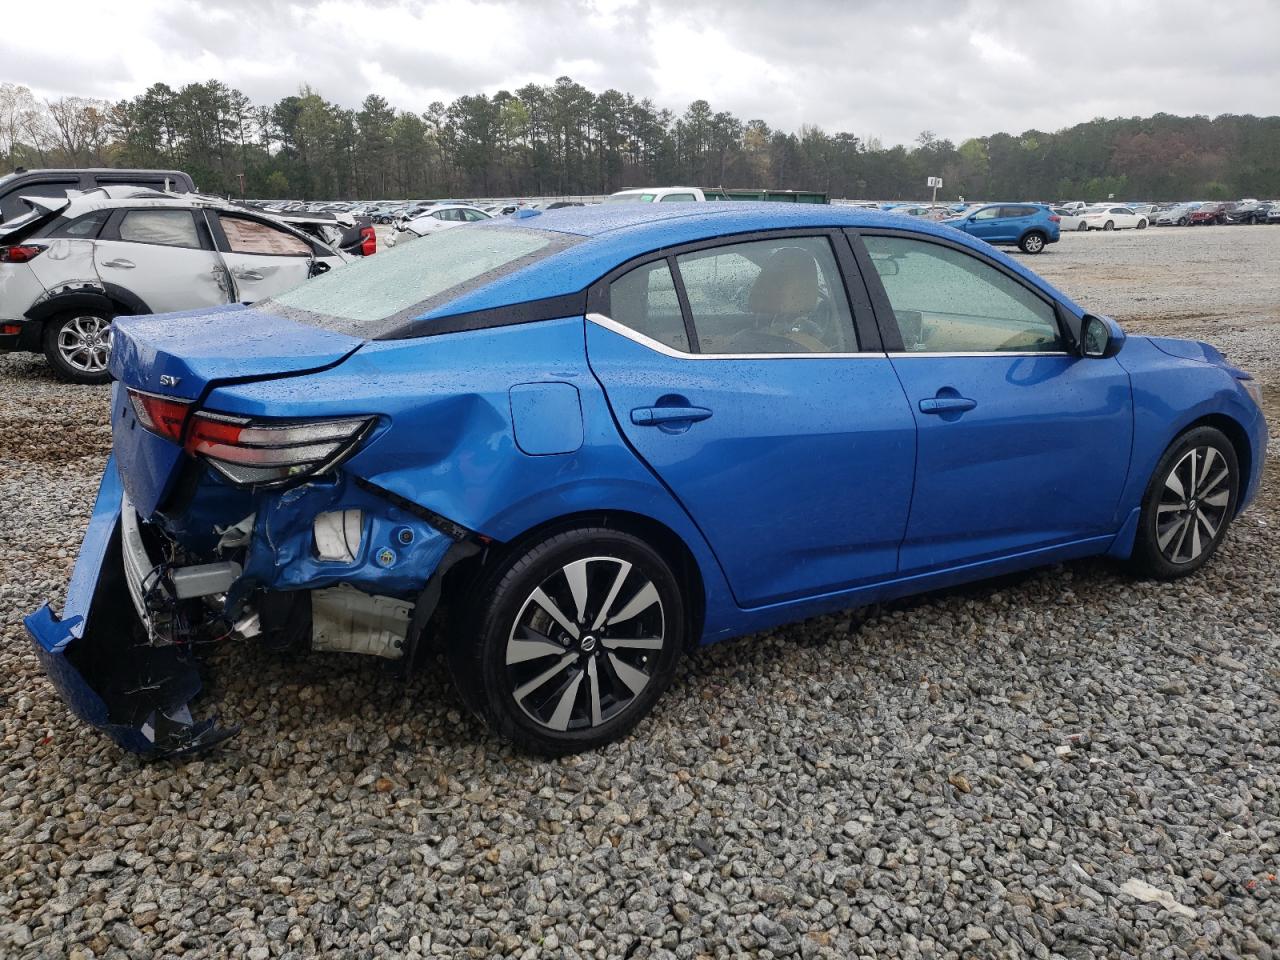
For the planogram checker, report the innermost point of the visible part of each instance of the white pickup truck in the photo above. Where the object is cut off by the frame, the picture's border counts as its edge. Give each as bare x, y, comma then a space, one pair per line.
657, 195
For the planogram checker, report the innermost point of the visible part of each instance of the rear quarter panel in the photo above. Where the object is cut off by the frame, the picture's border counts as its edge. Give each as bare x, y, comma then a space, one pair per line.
447, 440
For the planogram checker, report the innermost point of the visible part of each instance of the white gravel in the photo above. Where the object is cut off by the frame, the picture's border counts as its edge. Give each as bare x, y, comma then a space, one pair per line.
1067, 764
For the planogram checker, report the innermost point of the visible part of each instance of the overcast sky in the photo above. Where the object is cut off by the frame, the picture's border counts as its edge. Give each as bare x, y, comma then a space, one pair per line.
884, 68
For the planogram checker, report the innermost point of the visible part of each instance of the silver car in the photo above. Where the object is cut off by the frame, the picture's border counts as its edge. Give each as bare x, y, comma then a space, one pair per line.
73, 263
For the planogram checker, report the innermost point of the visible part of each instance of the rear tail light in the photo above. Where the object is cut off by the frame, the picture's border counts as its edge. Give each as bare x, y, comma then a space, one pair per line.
10, 329
368, 241
20, 253
163, 416
1054, 218
251, 452
247, 451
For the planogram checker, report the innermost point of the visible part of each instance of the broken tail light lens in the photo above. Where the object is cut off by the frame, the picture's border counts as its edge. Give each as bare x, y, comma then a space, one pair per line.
255, 452
20, 253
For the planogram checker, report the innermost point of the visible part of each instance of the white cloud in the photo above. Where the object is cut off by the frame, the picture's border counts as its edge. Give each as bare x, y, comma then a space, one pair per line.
874, 67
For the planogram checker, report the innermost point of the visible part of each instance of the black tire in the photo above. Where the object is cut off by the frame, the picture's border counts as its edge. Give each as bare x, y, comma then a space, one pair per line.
1174, 541
1033, 241
1142, 224
1109, 225
87, 328
596, 701
1183, 221
1083, 227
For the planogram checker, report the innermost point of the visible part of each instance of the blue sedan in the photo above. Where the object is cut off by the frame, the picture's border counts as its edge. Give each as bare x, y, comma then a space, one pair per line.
606, 436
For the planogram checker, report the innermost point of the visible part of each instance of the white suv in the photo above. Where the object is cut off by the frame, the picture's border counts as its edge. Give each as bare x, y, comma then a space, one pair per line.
72, 264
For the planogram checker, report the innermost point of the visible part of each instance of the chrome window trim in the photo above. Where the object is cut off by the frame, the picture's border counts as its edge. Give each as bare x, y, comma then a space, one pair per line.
608, 323
904, 354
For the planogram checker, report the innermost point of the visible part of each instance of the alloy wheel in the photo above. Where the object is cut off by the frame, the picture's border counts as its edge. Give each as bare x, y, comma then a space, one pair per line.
586, 642
82, 343
1033, 244
1193, 504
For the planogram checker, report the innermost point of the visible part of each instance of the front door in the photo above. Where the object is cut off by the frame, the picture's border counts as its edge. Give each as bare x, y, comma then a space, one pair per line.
163, 256
736, 374
1023, 444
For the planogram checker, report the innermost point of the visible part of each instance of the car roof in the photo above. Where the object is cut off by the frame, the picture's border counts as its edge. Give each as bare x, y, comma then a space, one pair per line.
612, 234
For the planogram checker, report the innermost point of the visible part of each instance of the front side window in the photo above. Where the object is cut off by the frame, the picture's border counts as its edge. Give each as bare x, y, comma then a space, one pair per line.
475, 215
645, 301
770, 296
169, 228
990, 213
946, 301
252, 236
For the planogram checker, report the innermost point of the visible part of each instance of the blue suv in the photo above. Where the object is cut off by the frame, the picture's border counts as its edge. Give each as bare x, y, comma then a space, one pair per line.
1028, 226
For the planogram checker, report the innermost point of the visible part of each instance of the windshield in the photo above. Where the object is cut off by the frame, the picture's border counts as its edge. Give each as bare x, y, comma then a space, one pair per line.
1208, 206
369, 297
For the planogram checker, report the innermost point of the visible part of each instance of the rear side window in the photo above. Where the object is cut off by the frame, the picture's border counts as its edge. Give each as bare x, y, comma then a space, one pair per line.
645, 300
86, 227
169, 228
677, 198
769, 296
251, 236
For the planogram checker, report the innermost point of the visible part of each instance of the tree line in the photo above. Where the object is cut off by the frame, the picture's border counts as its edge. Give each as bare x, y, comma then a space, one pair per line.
562, 138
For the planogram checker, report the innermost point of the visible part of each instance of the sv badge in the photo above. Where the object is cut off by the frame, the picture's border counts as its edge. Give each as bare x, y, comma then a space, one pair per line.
169, 380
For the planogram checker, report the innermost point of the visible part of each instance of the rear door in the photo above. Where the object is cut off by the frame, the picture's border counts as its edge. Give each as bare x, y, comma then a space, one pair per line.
262, 258
735, 372
164, 256
1023, 444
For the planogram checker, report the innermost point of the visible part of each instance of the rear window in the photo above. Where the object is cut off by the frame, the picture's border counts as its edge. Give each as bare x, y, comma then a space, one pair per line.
372, 295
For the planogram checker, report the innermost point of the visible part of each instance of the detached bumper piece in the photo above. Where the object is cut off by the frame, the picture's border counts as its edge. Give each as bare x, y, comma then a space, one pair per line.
99, 654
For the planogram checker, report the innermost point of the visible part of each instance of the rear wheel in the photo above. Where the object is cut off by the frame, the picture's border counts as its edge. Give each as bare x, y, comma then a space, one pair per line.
1109, 225
75, 344
1033, 242
1189, 503
571, 640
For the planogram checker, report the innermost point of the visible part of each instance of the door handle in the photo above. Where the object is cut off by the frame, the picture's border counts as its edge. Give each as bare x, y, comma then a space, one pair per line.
657, 416
119, 264
947, 404
247, 274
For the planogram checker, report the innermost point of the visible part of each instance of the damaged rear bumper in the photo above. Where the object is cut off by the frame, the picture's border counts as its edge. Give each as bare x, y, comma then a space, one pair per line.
98, 656
125, 663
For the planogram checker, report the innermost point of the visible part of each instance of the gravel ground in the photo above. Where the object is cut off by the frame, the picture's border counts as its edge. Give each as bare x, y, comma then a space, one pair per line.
991, 772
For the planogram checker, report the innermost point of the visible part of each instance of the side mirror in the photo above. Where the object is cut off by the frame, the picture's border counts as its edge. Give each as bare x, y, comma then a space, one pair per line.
1100, 337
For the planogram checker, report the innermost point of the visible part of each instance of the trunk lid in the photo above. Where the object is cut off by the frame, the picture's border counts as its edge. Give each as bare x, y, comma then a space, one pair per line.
184, 355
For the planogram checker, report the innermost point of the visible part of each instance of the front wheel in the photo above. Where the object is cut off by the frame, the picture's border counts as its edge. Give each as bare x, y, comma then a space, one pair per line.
1142, 224
1182, 221
1032, 243
1189, 503
75, 344
1082, 228
571, 640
